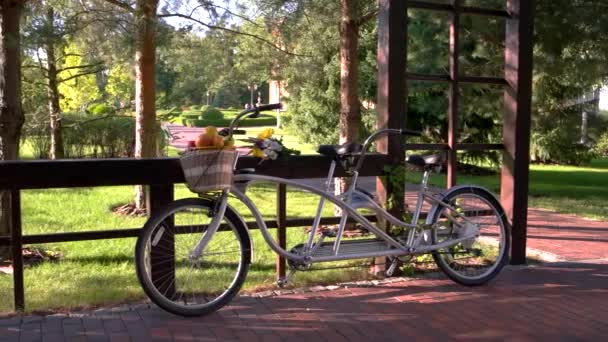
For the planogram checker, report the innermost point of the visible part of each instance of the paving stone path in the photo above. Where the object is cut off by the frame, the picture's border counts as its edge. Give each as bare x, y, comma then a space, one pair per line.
553, 302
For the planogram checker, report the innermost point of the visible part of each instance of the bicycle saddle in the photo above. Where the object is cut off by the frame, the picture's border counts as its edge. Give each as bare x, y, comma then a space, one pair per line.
337, 151
429, 160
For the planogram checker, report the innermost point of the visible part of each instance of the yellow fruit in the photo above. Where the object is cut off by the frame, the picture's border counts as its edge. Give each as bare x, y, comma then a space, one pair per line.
218, 141
211, 130
203, 140
229, 142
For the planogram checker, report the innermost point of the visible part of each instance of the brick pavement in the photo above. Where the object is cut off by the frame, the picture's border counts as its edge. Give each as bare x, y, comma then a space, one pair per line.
551, 301
557, 301
568, 236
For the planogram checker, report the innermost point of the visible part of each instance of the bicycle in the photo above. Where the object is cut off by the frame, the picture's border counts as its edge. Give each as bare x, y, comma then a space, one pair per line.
193, 257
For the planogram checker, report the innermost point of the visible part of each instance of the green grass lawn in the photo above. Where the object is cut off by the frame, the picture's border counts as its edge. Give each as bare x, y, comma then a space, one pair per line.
102, 272
579, 190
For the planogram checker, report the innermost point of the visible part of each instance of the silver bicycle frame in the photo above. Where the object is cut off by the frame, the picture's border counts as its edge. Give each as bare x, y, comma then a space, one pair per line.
394, 247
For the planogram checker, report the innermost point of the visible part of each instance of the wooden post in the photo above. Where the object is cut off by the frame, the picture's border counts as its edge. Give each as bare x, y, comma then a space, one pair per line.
281, 227
16, 248
453, 94
157, 197
516, 129
392, 90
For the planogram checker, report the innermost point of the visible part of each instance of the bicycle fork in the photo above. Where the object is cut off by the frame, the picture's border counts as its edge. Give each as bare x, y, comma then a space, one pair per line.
212, 227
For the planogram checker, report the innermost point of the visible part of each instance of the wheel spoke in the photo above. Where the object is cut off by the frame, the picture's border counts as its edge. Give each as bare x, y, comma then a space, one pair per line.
472, 261
193, 287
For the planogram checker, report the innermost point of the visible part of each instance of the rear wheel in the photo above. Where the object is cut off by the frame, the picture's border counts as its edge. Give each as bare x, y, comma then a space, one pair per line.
180, 283
477, 260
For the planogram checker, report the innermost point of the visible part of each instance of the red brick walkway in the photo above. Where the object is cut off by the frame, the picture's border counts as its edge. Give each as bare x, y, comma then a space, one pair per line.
552, 301
568, 236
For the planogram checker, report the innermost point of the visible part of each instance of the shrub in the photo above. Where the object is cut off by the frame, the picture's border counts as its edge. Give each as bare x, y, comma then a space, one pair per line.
263, 120
100, 109
87, 136
169, 115
601, 146
211, 113
109, 137
36, 132
556, 147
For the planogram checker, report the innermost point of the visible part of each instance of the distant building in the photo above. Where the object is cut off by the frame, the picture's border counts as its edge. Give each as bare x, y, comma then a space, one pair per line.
276, 92
603, 94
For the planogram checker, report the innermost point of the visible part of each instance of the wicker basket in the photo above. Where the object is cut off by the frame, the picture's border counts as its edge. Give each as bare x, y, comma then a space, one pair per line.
208, 169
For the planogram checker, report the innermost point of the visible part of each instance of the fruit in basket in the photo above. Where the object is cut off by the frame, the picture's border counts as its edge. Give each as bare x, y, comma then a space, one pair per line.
229, 142
218, 141
209, 138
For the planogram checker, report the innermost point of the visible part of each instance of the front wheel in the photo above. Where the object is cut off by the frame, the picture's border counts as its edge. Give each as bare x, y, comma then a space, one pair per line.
477, 260
176, 280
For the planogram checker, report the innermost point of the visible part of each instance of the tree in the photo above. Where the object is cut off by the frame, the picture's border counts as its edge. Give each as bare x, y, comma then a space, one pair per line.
145, 17
52, 31
145, 87
11, 115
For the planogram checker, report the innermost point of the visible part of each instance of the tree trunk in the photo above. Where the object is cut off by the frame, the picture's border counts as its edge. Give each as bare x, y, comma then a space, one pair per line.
11, 115
145, 115
56, 148
350, 111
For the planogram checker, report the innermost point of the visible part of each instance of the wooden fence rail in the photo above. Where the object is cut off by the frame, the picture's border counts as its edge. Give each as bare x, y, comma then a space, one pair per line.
160, 174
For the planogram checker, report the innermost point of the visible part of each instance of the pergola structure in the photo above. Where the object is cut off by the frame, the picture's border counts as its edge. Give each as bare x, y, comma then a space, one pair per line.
517, 82
392, 112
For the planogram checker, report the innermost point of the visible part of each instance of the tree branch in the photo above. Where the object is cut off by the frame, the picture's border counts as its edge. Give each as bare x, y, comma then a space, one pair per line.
363, 19
80, 67
121, 4
215, 27
77, 75
31, 66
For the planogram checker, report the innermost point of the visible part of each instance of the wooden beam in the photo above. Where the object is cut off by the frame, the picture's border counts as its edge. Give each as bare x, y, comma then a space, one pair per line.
392, 95
162, 255
281, 227
462, 9
516, 128
454, 94
25, 174
16, 248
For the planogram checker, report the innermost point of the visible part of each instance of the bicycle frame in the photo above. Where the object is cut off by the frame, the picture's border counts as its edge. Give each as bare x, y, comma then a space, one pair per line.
394, 247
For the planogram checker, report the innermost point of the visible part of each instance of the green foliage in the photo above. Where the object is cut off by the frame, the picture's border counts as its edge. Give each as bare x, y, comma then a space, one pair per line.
86, 136
79, 91
556, 146
36, 131
168, 115
263, 120
107, 137
100, 109
121, 85
601, 145
211, 113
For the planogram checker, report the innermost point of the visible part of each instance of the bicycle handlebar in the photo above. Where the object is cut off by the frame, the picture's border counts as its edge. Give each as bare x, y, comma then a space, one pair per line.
379, 132
253, 112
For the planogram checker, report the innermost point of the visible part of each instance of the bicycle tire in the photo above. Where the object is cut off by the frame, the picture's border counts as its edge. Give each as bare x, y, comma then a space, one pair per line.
165, 230
444, 258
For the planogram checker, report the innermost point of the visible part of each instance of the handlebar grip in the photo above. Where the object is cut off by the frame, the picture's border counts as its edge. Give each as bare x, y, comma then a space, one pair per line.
270, 106
224, 132
405, 131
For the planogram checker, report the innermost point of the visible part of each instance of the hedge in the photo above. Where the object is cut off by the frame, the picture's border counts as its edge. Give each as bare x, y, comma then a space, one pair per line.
263, 120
